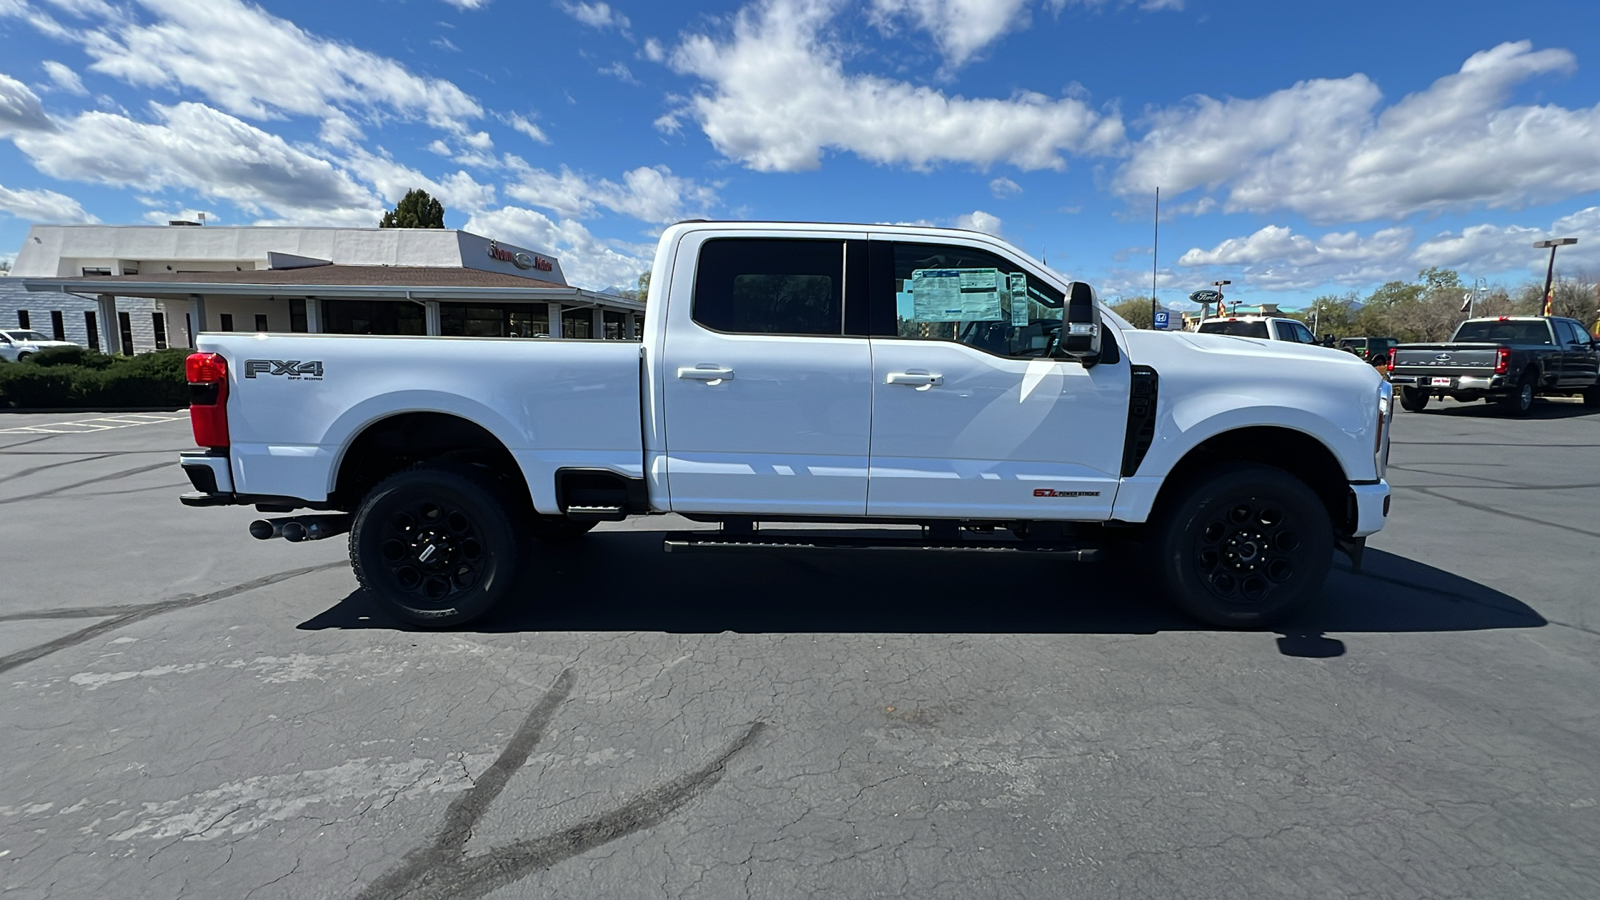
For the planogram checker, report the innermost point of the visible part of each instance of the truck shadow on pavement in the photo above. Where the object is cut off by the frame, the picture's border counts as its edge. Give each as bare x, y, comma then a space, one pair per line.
621, 581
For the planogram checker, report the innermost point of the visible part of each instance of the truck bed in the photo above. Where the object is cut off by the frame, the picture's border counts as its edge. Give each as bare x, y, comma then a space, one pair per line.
295, 400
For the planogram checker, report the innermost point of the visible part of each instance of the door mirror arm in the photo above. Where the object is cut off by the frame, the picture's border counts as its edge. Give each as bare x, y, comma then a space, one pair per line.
1081, 327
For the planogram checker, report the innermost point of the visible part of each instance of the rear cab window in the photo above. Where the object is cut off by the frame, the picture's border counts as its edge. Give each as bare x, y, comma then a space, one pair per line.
1235, 328
1503, 332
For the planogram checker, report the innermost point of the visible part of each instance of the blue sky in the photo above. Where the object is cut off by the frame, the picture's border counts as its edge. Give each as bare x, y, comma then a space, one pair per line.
1301, 148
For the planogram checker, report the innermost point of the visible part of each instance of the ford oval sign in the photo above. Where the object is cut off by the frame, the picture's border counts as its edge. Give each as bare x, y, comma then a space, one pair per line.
1204, 297
522, 261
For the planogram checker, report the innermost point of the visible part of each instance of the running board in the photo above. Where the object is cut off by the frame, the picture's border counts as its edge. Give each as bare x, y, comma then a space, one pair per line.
701, 540
596, 513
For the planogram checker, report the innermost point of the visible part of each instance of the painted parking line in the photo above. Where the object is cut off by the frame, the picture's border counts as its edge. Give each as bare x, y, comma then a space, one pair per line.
99, 423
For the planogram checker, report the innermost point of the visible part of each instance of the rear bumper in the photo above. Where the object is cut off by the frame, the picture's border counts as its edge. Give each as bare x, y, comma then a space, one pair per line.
1454, 383
208, 470
1372, 507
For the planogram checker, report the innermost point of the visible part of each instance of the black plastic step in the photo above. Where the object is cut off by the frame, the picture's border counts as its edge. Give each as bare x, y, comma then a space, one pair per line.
597, 513
709, 540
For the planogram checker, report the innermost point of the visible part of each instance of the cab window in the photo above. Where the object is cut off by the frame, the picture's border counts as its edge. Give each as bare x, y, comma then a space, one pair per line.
770, 286
946, 292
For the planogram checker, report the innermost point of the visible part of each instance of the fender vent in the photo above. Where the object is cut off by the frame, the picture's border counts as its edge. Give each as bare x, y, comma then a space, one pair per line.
1141, 418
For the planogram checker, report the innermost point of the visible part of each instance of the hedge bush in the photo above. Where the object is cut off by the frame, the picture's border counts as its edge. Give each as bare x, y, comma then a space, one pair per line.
76, 378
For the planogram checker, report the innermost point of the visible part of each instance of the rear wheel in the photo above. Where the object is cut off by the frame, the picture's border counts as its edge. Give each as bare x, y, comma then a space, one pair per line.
1248, 546
1413, 400
434, 545
1520, 400
1591, 397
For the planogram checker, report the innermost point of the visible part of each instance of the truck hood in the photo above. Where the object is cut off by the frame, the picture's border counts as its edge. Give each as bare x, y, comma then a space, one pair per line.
1225, 346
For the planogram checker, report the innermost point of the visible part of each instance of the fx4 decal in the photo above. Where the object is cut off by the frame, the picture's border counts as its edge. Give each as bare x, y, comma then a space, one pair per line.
1052, 492
293, 369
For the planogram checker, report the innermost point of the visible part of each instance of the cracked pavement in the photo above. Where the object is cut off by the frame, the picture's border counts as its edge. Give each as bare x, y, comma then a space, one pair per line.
192, 713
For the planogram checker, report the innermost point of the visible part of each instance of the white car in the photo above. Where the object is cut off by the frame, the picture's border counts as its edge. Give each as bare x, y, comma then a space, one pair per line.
16, 346
1272, 328
793, 375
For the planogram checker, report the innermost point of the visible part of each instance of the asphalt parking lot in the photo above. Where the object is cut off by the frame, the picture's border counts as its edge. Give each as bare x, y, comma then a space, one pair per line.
192, 713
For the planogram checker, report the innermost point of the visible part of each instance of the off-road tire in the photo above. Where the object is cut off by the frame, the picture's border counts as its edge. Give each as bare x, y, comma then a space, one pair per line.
1413, 400
1591, 397
454, 508
1520, 400
1246, 546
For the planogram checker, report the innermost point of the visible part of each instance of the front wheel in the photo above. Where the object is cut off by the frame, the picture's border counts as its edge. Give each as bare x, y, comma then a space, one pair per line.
434, 545
1413, 400
1246, 547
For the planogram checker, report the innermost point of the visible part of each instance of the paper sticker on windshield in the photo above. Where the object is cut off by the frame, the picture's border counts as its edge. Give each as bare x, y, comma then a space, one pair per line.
1019, 299
957, 295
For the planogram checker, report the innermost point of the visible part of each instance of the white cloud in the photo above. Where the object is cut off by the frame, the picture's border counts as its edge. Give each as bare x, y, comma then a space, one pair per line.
596, 15
978, 220
650, 194
182, 214
468, 4
586, 260
960, 28
196, 148
653, 50
533, 131
257, 65
1275, 258
457, 191
1488, 249
620, 72
44, 207
64, 78
1322, 148
1004, 187
779, 96
20, 109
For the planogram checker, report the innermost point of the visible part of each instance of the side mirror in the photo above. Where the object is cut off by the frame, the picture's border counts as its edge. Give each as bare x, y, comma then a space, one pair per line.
1080, 326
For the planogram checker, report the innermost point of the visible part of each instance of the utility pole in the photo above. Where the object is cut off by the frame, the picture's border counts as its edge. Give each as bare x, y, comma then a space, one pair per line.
1218, 285
1155, 260
1550, 271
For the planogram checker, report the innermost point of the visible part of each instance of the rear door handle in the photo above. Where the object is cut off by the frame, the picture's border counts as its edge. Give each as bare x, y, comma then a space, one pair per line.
913, 378
705, 372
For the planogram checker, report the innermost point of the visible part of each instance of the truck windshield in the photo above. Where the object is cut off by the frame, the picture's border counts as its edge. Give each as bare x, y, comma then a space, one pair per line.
1237, 329
1504, 332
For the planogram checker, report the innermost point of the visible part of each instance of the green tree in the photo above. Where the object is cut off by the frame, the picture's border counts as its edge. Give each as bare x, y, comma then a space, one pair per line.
415, 210
1136, 310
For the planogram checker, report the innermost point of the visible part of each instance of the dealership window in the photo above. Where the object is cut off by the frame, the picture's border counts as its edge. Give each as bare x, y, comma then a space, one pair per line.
946, 292
373, 317
227, 321
158, 326
297, 316
58, 327
616, 325
94, 330
770, 286
125, 329
494, 320
95, 270
261, 322
22, 320
577, 323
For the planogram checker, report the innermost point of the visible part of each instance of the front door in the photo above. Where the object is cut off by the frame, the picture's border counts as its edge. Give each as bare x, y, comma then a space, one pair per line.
767, 404
971, 417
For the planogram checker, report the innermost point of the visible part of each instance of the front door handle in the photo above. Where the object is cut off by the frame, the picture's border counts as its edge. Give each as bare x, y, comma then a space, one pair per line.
922, 379
705, 372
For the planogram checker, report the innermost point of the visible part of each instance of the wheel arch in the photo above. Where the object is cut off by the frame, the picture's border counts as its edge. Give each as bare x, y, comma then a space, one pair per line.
1302, 455
400, 439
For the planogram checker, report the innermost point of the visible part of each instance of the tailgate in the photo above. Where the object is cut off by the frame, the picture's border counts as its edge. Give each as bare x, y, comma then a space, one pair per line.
1447, 359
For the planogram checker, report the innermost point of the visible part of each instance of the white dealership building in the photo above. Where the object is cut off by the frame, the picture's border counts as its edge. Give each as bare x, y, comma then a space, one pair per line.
127, 288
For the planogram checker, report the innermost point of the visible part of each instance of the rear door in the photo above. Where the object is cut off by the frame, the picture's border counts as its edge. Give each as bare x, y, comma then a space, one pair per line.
766, 402
972, 415
1579, 364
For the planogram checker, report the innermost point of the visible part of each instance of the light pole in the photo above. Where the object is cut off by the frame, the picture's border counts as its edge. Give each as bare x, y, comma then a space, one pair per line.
1550, 271
1218, 285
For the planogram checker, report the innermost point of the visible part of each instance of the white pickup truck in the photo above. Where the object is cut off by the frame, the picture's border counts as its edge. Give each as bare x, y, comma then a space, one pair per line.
936, 388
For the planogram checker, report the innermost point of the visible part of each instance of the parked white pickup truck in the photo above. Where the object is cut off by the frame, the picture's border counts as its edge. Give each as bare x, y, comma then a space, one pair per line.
792, 375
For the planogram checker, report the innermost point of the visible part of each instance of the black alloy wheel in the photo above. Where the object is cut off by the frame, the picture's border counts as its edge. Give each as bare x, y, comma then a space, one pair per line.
434, 545
1245, 547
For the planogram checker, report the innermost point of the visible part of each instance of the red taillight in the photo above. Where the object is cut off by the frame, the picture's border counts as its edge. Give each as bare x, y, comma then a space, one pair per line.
208, 398
1391, 358
1502, 360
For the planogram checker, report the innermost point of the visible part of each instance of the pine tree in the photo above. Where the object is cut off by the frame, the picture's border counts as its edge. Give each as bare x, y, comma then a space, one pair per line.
415, 210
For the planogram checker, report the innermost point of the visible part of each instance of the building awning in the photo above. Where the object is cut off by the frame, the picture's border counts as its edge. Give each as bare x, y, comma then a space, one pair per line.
338, 282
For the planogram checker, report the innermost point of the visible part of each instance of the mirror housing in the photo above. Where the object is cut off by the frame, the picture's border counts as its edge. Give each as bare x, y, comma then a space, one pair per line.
1080, 326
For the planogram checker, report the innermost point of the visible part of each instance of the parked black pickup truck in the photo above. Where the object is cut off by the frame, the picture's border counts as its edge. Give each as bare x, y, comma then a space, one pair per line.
1510, 360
